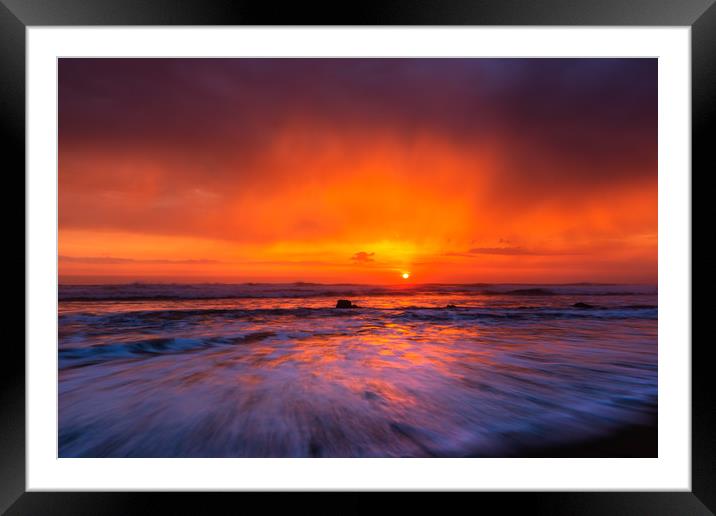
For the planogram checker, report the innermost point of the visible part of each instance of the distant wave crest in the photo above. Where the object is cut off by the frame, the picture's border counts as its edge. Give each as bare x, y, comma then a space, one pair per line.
146, 291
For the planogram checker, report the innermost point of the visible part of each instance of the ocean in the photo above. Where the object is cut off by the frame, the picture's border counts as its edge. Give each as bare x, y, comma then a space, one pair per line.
275, 370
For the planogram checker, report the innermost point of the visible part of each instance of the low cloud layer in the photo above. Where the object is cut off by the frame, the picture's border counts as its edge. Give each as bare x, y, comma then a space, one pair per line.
363, 257
110, 260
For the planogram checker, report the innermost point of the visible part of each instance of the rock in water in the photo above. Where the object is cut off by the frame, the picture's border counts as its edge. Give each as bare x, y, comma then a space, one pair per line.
451, 307
344, 303
582, 305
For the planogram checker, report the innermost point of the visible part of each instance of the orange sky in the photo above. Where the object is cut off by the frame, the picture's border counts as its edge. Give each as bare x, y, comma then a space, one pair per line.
358, 170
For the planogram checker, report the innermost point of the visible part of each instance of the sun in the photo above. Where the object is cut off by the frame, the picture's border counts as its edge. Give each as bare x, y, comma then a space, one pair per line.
406, 275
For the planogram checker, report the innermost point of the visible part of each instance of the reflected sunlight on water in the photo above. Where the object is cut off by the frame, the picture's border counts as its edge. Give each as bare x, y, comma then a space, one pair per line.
400, 376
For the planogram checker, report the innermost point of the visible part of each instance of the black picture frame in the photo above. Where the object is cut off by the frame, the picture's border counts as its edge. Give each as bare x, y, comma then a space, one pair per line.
17, 15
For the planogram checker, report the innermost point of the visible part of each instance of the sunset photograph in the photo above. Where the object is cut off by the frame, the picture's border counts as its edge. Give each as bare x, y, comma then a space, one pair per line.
357, 257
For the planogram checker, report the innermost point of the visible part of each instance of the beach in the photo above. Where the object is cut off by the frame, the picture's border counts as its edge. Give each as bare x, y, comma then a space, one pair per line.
438, 370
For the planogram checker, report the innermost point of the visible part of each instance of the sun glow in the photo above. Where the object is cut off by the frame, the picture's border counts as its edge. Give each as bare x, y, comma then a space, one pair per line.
406, 275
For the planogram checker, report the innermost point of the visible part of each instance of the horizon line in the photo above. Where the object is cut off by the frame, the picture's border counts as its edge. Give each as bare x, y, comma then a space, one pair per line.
402, 284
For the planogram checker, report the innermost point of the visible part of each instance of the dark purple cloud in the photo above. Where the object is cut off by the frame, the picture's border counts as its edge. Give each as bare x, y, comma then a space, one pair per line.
597, 114
159, 144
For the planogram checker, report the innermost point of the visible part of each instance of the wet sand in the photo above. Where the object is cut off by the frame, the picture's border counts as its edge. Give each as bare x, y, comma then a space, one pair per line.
637, 440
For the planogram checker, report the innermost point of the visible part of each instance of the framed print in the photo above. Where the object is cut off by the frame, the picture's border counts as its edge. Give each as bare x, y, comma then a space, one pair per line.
421, 249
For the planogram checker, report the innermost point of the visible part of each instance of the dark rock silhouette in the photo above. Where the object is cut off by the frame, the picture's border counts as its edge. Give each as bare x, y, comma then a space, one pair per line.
344, 303
582, 305
451, 307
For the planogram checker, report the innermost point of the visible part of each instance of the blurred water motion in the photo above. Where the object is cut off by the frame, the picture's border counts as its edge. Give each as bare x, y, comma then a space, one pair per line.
275, 371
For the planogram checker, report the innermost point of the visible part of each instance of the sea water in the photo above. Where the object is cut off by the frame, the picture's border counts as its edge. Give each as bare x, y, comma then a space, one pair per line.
267, 370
